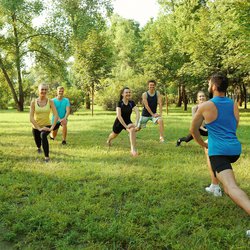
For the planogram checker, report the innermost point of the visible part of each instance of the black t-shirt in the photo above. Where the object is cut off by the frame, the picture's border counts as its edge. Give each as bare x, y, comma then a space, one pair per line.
126, 110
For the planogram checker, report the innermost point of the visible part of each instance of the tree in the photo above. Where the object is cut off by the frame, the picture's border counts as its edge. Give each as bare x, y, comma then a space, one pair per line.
94, 61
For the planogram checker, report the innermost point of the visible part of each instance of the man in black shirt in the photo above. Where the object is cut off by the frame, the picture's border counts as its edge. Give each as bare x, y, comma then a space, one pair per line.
151, 99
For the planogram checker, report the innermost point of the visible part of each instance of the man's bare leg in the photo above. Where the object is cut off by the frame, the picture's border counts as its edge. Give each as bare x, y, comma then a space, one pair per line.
226, 177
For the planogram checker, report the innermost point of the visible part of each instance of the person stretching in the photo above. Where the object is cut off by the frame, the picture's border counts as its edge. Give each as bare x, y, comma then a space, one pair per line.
63, 109
221, 116
39, 117
123, 121
151, 99
203, 131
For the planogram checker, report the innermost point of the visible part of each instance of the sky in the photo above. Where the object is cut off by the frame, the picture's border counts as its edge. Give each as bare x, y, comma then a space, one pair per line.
139, 10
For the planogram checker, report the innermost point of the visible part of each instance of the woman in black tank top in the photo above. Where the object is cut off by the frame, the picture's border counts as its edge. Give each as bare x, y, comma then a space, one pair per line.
123, 121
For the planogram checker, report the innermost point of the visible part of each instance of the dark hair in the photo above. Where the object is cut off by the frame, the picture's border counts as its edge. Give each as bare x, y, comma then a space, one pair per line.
220, 81
122, 92
152, 80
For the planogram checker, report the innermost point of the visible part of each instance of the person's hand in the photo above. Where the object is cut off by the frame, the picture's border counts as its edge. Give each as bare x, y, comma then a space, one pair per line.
130, 126
45, 129
51, 128
155, 115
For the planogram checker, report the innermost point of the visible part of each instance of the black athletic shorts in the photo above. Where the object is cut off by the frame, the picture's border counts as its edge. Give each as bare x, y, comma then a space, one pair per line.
222, 162
203, 133
118, 127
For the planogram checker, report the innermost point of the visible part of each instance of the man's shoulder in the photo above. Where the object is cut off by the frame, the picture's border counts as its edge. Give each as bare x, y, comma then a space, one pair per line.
206, 105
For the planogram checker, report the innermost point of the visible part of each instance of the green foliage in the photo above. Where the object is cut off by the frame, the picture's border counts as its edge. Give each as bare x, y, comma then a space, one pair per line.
84, 46
76, 98
5, 96
92, 197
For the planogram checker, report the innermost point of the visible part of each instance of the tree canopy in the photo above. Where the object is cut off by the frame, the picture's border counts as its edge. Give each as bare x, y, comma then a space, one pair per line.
82, 45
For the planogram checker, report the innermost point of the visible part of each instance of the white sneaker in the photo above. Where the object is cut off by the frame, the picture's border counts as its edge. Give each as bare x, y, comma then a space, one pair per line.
214, 189
248, 233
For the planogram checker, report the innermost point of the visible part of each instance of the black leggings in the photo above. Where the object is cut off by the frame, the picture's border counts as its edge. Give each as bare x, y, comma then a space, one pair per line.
189, 137
40, 138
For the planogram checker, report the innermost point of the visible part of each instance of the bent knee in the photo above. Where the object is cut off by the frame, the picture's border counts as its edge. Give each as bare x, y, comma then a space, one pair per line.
132, 130
160, 121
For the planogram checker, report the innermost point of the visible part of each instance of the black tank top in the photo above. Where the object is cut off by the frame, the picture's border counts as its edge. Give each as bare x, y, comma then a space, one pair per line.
152, 103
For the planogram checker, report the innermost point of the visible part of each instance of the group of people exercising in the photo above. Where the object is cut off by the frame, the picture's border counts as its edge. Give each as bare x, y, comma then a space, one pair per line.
217, 118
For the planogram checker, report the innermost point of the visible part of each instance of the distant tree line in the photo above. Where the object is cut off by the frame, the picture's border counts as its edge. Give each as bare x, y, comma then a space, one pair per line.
94, 53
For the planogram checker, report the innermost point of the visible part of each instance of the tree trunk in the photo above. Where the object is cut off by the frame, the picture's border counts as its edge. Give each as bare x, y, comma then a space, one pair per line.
87, 100
241, 96
179, 97
166, 96
245, 95
184, 97
92, 96
18, 66
13, 91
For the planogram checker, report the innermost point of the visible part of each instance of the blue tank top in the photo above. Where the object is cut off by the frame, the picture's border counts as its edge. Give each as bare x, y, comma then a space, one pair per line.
222, 139
152, 103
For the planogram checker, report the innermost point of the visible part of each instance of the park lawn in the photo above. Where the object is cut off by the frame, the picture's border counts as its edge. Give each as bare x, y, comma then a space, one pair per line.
92, 197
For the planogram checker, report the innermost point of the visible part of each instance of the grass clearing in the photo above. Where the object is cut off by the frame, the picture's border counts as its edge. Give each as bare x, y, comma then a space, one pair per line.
92, 197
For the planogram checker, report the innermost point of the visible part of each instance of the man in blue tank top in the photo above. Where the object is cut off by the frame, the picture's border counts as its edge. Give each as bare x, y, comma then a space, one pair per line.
63, 109
150, 100
221, 116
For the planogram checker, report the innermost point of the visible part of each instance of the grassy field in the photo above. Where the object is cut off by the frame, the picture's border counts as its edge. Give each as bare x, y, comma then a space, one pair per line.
92, 197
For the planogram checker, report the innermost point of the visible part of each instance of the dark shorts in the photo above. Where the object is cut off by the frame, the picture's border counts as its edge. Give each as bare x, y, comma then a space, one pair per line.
222, 162
203, 133
118, 127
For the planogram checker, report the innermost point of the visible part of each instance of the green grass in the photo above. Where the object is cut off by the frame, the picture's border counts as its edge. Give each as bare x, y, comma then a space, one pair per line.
89, 197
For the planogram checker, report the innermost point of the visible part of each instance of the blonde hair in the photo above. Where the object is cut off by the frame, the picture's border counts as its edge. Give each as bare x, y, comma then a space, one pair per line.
43, 85
59, 87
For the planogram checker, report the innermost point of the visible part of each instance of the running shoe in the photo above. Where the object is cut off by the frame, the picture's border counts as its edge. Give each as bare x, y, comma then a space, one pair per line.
215, 190
248, 233
162, 140
178, 143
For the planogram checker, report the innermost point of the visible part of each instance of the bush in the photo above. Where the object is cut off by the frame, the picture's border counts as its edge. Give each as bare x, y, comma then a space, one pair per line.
76, 98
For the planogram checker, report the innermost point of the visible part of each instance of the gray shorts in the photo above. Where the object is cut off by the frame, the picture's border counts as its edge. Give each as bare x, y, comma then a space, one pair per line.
144, 119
